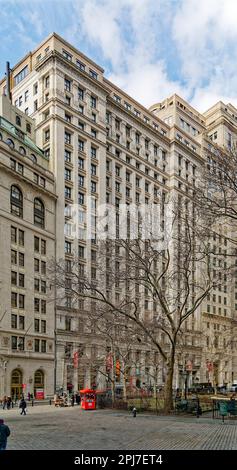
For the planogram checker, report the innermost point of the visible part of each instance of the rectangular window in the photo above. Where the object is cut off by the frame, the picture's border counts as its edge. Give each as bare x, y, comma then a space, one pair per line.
13, 235
21, 301
93, 74
93, 152
67, 174
80, 94
81, 163
67, 156
93, 187
14, 321
43, 268
21, 237
80, 65
43, 346
21, 280
81, 181
67, 55
81, 198
36, 265
67, 138
81, 145
46, 135
68, 247
21, 75
81, 252
37, 325
21, 259
43, 306
14, 342
36, 305
36, 244
68, 192
43, 287
43, 326
36, 285
21, 322
37, 345
67, 84
43, 247
13, 257
93, 102
93, 170
21, 343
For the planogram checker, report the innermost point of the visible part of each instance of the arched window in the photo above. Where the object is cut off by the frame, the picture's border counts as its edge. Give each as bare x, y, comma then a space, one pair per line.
39, 213
39, 378
10, 143
16, 384
39, 384
18, 121
16, 377
22, 151
16, 201
33, 158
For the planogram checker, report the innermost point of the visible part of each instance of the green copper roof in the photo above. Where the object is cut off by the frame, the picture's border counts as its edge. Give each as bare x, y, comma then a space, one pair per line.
21, 136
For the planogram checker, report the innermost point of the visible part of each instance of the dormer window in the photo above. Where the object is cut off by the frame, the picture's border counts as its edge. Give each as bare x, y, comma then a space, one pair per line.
22, 151
18, 121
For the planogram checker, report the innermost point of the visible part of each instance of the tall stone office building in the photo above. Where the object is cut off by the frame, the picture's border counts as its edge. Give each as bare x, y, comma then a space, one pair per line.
27, 240
103, 146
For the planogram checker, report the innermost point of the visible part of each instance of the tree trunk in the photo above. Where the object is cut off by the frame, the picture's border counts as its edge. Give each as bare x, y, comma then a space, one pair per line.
168, 398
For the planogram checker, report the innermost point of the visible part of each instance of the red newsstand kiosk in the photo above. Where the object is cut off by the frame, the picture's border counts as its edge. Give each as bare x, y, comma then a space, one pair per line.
88, 399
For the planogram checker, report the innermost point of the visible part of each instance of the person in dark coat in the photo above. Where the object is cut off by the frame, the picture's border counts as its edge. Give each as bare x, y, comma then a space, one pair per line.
4, 433
9, 401
23, 406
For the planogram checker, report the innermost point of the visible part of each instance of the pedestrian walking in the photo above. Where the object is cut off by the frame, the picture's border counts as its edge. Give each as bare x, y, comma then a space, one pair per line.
4, 403
72, 400
9, 401
134, 412
4, 433
23, 406
78, 398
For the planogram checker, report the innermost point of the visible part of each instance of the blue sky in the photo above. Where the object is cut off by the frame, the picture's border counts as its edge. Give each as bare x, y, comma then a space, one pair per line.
150, 48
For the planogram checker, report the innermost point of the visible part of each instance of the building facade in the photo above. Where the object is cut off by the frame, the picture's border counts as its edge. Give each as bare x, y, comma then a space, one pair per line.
27, 227
104, 147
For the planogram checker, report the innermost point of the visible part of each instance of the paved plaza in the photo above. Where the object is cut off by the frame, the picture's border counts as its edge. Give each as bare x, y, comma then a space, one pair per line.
47, 428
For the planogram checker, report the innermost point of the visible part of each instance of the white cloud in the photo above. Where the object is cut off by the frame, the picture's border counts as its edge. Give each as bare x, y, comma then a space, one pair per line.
205, 35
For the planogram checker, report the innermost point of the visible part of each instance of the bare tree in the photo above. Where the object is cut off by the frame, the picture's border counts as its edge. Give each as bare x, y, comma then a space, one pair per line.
171, 279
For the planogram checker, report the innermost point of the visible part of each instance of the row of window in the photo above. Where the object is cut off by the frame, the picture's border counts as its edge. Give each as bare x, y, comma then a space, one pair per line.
80, 64
18, 322
16, 200
137, 113
18, 344
20, 169
21, 150
18, 301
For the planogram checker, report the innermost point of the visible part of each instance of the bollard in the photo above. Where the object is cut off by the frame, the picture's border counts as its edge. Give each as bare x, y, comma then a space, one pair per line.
50, 402
32, 402
134, 412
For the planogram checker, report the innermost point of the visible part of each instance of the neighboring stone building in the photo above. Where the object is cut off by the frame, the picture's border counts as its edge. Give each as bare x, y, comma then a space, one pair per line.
27, 241
103, 146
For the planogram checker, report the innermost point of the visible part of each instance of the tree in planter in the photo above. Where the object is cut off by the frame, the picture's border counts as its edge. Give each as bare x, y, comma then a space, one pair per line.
171, 277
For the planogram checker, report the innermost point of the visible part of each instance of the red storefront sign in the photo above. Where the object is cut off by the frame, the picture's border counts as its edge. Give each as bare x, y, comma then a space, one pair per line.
109, 362
75, 359
189, 365
39, 394
209, 366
